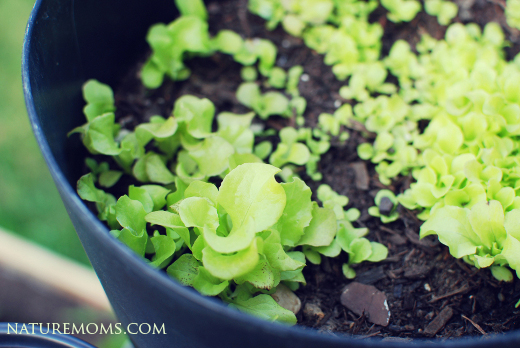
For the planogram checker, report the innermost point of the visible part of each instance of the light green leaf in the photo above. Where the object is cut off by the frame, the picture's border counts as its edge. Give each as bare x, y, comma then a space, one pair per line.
136, 242
231, 265
274, 103
198, 212
263, 149
322, 228
172, 221
266, 53
332, 250
192, 8
326, 194
158, 194
196, 113
228, 42
184, 269
109, 178
277, 78
240, 158
164, 218
208, 285
483, 261
156, 170
164, 249
501, 273
293, 25
379, 252
190, 33
156, 130
248, 73
294, 276
360, 250
88, 191
198, 247
348, 271
178, 194
265, 307
141, 195
251, 191
261, 277
365, 151
130, 214
512, 223
352, 214
487, 221
239, 238
296, 153
297, 213
248, 93
99, 135
347, 234
211, 156
453, 229
139, 168
277, 256
187, 169
312, 255
229, 119
151, 75
510, 252
235, 130
99, 98
202, 189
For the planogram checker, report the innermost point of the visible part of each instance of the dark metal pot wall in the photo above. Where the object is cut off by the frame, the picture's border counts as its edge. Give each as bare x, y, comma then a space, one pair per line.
68, 42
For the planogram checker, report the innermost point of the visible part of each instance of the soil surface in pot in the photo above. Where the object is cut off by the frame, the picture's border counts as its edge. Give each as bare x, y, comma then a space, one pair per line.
429, 293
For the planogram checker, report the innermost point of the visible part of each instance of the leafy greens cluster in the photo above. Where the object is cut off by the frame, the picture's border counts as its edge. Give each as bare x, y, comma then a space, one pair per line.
512, 12
241, 240
465, 162
234, 241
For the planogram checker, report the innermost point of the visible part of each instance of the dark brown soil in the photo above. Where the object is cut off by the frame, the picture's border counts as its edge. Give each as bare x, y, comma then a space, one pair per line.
419, 277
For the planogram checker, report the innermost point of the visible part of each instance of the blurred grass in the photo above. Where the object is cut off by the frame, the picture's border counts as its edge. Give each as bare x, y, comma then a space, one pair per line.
29, 202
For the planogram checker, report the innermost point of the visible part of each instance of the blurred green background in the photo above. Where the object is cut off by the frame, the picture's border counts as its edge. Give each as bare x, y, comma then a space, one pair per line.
29, 202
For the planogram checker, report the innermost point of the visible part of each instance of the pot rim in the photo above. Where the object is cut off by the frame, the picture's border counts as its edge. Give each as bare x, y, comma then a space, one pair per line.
188, 294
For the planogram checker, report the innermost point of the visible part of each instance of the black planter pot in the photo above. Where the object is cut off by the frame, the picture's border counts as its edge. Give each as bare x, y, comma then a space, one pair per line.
68, 42
14, 335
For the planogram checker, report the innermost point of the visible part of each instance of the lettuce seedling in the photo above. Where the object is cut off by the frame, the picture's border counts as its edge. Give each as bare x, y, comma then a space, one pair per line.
265, 105
289, 150
240, 228
105, 202
445, 11
386, 206
359, 249
187, 34
99, 99
295, 16
348, 238
98, 134
483, 236
512, 13
401, 10
192, 8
